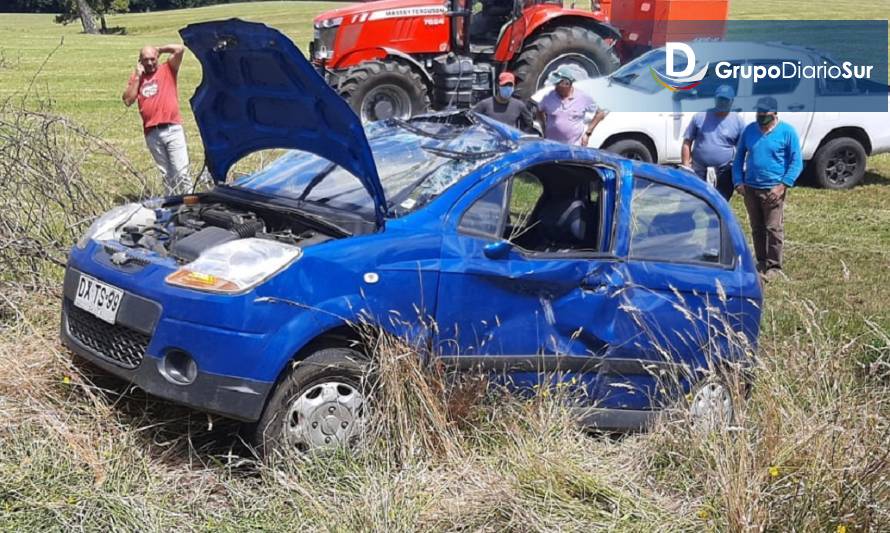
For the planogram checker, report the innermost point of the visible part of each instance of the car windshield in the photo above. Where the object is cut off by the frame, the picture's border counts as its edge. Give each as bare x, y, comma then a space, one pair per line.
416, 162
637, 75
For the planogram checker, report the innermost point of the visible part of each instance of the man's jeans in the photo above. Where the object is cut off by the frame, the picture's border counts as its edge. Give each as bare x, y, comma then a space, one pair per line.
168, 148
767, 226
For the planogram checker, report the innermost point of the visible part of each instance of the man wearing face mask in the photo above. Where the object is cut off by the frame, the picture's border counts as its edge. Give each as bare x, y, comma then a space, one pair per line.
711, 138
502, 107
563, 111
153, 86
767, 163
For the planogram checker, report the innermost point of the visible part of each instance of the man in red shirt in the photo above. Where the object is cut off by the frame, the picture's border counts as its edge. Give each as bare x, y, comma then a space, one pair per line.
153, 85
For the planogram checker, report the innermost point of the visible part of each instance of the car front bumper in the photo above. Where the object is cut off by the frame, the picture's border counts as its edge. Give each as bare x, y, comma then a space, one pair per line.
121, 349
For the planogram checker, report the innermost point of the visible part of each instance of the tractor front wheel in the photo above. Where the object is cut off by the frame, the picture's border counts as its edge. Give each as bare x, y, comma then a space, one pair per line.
378, 90
580, 48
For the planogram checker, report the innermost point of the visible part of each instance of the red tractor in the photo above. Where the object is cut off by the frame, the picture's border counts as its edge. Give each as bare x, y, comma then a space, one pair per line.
397, 58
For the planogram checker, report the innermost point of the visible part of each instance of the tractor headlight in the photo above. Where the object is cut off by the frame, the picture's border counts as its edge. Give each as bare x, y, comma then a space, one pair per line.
104, 227
330, 23
235, 266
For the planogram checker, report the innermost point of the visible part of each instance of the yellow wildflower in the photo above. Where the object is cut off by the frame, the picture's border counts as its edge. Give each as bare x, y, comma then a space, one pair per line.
774, 471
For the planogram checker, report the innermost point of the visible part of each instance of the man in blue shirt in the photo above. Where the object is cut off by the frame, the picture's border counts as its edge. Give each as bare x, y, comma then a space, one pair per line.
767, 162
711, 138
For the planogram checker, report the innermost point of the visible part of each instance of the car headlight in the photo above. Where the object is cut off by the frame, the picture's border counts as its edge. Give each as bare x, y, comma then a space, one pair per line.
235, 266
104, 227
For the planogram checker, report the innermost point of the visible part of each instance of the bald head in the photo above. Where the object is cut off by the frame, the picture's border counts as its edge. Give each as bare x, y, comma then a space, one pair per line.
148, 56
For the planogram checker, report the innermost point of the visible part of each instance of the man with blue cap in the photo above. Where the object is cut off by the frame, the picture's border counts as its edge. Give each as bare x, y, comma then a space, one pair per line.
767, 163
710, 141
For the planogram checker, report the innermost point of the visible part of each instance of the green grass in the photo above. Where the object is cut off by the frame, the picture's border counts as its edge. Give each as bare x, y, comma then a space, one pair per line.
809, 454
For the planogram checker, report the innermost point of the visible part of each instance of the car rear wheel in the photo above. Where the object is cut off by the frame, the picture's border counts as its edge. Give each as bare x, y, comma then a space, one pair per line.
378, 90
840, 163
319, 404
631, 149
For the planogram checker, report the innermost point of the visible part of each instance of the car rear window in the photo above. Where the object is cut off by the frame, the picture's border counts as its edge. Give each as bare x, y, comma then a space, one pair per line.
669, 224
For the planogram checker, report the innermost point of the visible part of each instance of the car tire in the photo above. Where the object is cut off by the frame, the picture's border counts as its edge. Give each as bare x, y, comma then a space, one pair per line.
839, 164
377, 90
548, 50
631, 149
711, 405
319, 403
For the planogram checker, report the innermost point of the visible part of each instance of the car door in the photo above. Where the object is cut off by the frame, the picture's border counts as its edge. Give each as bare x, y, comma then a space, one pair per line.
519, 312
682, 292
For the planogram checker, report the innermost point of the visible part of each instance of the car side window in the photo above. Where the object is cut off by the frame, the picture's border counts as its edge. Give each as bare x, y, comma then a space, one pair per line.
484, 216
669, 224
774, 86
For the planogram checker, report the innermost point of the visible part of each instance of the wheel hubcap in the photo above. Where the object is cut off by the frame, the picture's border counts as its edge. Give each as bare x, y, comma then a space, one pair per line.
325, 415
386, 101
582, 66
842, 165
711, 406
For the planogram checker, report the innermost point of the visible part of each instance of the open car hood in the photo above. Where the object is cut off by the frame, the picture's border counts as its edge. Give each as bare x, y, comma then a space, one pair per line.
259, 92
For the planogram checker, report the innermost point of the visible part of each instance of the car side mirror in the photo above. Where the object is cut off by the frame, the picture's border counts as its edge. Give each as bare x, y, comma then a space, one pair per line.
497, 250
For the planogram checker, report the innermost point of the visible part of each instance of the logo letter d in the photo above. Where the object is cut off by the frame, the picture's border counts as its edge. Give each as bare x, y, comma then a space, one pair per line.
670, 49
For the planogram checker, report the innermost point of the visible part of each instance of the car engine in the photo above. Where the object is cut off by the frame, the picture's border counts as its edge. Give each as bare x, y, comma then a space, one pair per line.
184, 231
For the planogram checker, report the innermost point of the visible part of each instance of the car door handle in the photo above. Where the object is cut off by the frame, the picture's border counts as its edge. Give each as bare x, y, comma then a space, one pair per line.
796, 107
737, 109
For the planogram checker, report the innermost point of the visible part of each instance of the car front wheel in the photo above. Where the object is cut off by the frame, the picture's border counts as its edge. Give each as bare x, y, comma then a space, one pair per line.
319, 404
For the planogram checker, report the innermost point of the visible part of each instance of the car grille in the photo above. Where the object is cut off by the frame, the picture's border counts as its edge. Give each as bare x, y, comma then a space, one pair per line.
118, 344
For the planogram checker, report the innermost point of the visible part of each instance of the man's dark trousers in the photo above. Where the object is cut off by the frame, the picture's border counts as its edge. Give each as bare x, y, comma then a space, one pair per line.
767, 226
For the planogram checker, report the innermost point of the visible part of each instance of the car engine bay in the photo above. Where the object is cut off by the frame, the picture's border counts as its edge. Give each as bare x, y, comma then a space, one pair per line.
184, 231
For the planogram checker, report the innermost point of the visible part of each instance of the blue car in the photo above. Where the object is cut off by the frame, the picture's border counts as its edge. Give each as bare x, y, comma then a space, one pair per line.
530, 260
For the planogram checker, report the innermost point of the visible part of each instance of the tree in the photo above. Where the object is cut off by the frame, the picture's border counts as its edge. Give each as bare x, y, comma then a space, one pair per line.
87, 11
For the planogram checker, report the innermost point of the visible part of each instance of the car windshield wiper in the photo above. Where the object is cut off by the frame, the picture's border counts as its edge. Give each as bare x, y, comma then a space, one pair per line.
316, 180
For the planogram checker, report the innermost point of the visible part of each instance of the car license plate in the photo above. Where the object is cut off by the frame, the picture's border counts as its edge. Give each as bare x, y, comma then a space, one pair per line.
98, 298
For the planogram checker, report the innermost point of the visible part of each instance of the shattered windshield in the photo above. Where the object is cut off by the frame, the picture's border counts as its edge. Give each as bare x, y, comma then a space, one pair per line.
416, 162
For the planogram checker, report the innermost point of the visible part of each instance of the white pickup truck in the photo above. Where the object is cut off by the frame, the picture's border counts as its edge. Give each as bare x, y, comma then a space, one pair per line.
836, 145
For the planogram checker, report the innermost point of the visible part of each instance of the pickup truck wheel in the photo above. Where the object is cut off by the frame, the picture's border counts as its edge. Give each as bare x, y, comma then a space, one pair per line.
319, 404
840, 163
631, 149
378, 90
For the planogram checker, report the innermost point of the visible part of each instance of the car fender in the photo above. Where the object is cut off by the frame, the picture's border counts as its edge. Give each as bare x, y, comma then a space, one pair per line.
306, 324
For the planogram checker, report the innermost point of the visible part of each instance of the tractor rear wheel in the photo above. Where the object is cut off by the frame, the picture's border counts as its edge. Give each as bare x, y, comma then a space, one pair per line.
580, 47
378, 90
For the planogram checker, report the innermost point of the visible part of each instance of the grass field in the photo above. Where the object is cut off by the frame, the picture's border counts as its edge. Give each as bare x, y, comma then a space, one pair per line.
810, 454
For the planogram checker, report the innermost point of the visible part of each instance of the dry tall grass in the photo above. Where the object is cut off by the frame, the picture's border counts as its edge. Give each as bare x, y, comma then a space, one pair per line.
808, 451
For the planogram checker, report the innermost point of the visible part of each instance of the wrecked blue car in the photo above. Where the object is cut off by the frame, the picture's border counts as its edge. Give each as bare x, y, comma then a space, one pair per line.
532, 261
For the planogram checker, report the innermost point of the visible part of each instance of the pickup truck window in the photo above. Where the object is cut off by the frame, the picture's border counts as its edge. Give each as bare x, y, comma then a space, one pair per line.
774, 86
671, 225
